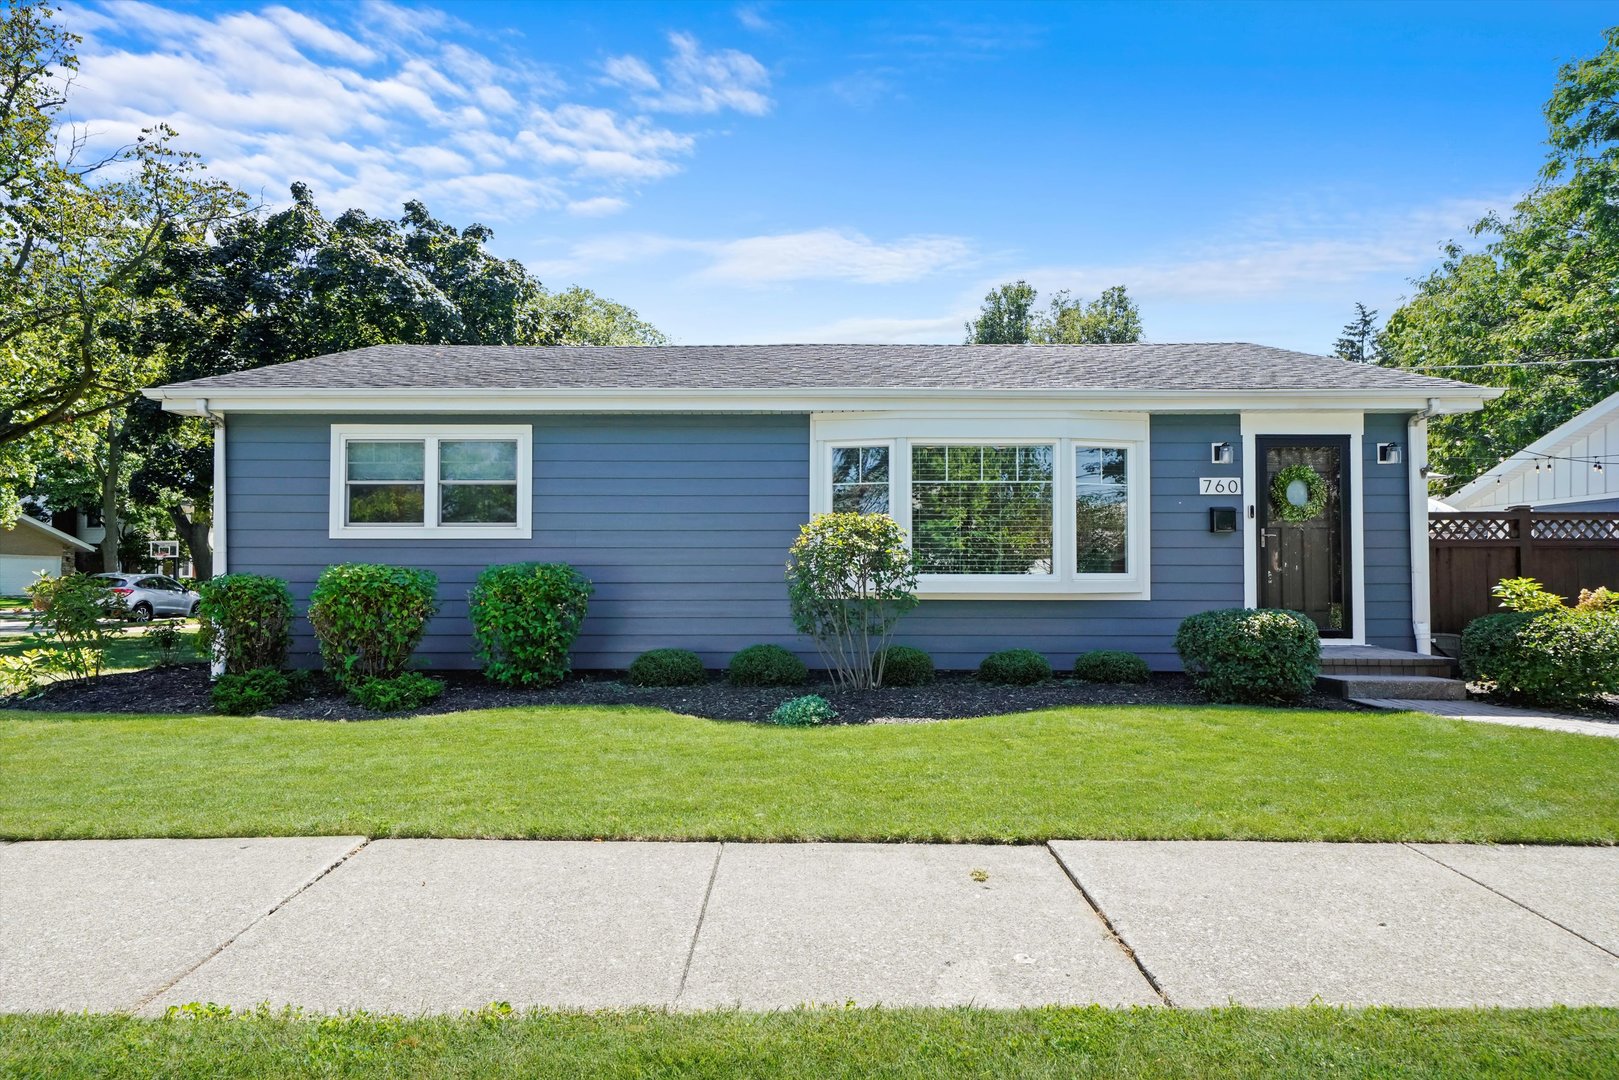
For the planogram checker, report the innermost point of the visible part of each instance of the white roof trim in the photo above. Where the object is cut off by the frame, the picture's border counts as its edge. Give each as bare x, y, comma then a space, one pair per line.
1571, 428
797, 400
53, 533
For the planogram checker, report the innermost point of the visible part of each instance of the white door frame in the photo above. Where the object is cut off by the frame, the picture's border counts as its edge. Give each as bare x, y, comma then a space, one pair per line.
1352, 424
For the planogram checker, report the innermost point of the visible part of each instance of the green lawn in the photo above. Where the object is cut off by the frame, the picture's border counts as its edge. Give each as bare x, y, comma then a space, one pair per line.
13, 603
132, 649
1147, 1043
1170, 772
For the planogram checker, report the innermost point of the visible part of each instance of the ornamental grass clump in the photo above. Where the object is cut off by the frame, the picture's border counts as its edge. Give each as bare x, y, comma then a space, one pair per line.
245, 621
1542, 651
850, 578
667, 667
766, 665
525, 617
1111, 666
1250, 655
369, 618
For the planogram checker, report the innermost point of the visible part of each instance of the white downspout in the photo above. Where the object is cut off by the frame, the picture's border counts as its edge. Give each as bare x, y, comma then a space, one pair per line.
219, 530
1416, 430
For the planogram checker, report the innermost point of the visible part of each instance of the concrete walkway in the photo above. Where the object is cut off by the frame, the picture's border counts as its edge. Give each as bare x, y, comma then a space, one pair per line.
1485, 712
421, 926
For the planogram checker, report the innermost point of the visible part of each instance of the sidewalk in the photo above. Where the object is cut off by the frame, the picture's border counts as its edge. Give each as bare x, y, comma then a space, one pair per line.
421, 926
1486, 712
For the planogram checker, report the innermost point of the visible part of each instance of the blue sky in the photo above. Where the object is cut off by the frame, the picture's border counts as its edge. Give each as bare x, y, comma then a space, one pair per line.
865, 172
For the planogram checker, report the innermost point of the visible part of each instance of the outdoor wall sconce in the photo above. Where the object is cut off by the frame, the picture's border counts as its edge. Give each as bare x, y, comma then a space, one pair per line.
1221, 453
1388, 453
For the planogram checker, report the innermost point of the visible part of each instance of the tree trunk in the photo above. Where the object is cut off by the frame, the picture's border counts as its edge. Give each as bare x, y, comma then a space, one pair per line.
109, 494
194, 532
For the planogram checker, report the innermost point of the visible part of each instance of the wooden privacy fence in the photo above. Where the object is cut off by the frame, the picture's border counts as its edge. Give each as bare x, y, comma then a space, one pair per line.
1470, 552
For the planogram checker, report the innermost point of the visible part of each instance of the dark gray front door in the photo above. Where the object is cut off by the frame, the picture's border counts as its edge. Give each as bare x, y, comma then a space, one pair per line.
1304, 556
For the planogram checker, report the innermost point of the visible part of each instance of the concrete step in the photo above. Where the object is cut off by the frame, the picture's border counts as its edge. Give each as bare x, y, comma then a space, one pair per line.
1438, 667
1417, 687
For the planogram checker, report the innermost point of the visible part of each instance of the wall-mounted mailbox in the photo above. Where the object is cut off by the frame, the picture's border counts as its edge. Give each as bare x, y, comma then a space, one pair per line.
1222, 519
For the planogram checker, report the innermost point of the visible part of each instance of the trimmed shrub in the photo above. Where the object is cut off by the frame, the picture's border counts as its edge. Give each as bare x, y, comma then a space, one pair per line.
849, 579
247, 692
901, 665
1561, 656
72, 629
401, 693
1250, 655
766, 665
1111, 666
245, 621
806, 711
668, 667
1015, 667
369, 618
525, 617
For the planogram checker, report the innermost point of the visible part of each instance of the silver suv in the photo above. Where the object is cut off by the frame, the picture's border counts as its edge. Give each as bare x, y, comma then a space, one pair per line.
146, 596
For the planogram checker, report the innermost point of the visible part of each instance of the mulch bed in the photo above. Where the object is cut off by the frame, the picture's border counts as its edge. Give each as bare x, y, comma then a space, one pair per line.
185, 690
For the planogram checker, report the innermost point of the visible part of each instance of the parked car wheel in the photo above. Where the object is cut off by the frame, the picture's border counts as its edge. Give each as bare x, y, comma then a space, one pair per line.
141, 612
195, 604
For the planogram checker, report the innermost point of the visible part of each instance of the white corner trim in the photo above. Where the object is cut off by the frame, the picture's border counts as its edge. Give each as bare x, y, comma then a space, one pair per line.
1416, 439
1352, 424
1063, 430
221, 531
337, 483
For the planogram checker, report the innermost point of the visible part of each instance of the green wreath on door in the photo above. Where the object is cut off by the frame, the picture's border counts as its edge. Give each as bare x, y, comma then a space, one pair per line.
1315, 488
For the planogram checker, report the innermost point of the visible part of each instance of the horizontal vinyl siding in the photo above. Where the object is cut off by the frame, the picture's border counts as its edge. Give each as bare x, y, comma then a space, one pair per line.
683, 524
1387, 518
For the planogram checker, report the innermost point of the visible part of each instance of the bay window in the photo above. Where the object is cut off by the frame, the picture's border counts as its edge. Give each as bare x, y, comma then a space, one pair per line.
1031, 507
434, 481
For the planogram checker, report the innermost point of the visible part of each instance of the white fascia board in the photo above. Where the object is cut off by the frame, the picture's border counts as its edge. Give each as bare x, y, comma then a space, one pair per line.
1570, 429
606, 400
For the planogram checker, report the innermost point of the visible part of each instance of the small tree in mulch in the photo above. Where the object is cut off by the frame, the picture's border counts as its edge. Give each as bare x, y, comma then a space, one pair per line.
850, 578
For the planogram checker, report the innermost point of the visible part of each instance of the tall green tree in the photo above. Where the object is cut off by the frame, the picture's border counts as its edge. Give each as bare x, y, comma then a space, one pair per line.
1006, 318
1358, 342
76, 236
1540, 301
1110, 319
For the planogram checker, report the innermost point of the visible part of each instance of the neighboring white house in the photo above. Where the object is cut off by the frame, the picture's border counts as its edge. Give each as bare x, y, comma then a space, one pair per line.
1573, 467
31, 547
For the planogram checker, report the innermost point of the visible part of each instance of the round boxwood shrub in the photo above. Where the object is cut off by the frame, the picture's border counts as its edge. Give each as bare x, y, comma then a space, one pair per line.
369, 618
248, 692
1111, 666
402, 693
245, 621
525, 617
668, 667
1250, 655
1015, 667
806, 711
766, 665
1561, 656
902, 665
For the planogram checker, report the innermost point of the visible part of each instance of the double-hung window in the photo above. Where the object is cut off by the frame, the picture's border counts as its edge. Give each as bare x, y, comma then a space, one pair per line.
1031, 507
431, 481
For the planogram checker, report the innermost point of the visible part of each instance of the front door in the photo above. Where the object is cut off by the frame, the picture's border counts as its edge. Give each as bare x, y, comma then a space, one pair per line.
1303, 524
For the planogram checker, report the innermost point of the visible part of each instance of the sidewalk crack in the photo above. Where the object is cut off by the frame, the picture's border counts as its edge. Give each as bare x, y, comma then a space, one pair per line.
228, 942
1112, 932
702, 914
1510, 899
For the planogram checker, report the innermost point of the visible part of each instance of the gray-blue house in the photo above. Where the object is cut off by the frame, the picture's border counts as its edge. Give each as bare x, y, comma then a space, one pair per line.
1060, 498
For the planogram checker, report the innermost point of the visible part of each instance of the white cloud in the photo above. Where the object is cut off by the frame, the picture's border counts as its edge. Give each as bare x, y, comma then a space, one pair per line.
752, 17
374, 104
694, 81
600, 206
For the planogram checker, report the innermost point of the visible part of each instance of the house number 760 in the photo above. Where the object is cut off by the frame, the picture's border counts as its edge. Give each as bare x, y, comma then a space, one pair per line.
1219, 485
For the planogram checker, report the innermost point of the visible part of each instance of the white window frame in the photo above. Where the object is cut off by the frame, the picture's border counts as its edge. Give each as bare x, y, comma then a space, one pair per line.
899, 431
430, 435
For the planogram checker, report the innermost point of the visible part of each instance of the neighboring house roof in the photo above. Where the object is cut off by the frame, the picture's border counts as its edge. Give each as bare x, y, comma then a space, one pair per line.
1592, 434
53, 533
1149, 367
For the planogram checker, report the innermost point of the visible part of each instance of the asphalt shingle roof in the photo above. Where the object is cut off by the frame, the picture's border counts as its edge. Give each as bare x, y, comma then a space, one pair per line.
1212, 366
